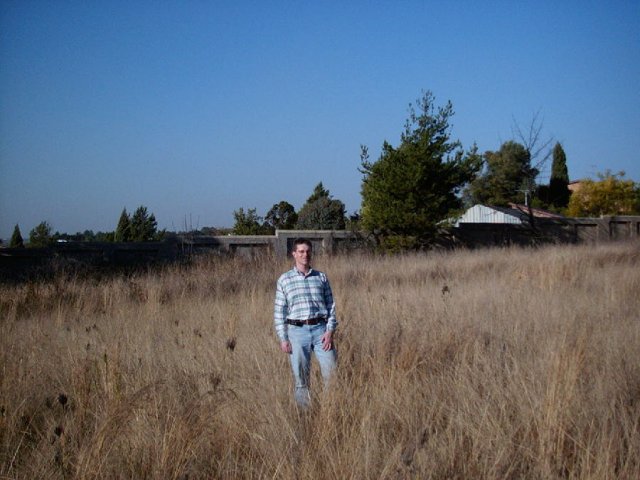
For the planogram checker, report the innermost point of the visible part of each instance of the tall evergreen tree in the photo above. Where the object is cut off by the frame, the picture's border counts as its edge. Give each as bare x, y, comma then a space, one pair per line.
321, 212
559, 182
41, 236
144, 227
410, 189
123, 230
318, 192
16, 239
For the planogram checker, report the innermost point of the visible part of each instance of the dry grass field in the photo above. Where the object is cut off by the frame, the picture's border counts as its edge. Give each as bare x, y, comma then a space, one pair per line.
496, 364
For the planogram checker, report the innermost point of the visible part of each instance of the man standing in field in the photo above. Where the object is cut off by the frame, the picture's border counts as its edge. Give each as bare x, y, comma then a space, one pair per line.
305, 319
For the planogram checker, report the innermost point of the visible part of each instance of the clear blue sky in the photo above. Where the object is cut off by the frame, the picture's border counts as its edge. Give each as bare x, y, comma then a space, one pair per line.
197, 108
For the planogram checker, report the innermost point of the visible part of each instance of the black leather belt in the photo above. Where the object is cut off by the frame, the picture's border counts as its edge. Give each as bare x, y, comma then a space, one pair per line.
311, 321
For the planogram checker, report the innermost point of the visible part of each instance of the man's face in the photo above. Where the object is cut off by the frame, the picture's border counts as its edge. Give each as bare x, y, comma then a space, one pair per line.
302, 255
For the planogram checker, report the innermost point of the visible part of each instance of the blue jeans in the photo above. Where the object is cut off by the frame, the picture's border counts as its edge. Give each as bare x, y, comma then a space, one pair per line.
304, 340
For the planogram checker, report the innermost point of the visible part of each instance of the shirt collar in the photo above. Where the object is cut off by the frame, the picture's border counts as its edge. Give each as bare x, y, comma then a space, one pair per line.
298, 272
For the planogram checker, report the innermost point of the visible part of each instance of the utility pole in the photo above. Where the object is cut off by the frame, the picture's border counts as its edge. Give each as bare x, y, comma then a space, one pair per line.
526, 196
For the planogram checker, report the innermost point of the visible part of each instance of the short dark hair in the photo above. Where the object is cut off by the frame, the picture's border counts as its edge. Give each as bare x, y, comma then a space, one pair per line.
301, 241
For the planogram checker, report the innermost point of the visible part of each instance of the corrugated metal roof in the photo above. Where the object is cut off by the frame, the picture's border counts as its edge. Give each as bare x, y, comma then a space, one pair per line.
514, 215
484, 214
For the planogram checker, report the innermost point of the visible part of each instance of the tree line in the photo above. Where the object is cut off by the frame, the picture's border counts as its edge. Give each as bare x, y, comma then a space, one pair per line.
141, 226
414, 190
320, 212
417, 188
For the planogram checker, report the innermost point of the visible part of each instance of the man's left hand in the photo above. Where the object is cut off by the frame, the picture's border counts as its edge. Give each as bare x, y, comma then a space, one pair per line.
327, 340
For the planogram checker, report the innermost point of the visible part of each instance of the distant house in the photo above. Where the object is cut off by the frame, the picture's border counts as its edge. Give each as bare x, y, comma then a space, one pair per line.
513, 214
575, 185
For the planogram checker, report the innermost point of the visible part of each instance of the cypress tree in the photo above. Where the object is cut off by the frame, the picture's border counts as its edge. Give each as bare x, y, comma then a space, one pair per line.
16, 239
559, 182
123, 230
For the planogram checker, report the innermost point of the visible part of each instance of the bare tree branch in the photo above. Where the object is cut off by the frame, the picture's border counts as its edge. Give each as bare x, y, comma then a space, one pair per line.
539, 150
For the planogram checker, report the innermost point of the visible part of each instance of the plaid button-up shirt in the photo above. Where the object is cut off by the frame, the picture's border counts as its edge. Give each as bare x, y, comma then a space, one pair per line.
302, 297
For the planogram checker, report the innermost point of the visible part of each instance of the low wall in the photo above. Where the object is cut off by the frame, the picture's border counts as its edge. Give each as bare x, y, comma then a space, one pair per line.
323, 241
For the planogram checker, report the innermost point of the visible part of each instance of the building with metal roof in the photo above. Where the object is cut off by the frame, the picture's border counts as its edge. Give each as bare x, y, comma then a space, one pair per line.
514, 214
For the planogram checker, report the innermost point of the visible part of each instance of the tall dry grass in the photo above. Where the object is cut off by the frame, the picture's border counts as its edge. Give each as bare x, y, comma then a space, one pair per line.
489, 364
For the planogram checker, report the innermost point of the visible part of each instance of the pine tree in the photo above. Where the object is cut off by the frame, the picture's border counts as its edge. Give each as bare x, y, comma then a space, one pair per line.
41, 236
16, 239
321, 212
123, 230
318, 192
410, 189
143, 226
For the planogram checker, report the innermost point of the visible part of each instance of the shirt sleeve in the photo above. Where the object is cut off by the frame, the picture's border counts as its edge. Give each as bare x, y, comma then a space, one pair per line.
280, 313
332, 321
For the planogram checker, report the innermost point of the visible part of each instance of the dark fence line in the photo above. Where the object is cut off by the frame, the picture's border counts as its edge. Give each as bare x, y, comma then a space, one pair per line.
25, 262
20, 263
545, 230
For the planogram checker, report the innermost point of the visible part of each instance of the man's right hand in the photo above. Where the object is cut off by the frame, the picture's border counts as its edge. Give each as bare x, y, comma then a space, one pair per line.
285, 346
